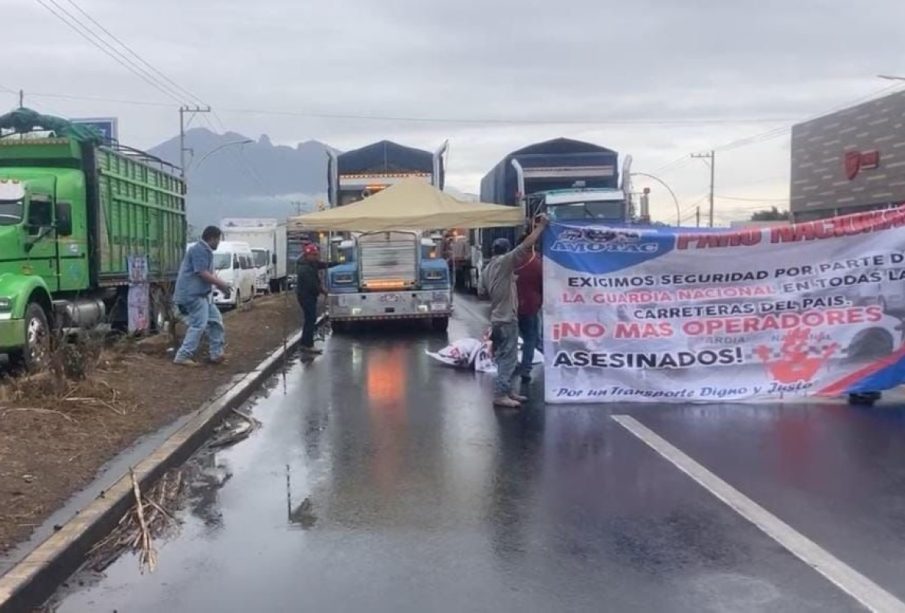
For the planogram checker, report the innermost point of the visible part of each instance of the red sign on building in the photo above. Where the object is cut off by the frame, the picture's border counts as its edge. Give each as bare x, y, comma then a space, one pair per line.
856, 161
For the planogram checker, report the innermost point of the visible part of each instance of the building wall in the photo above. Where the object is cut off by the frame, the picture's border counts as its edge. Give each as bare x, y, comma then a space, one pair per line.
849, 161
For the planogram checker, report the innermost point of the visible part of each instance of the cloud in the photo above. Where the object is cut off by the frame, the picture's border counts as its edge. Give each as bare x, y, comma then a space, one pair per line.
580, 62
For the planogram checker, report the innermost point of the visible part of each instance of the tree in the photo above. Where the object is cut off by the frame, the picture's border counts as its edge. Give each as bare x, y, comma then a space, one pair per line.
771, 214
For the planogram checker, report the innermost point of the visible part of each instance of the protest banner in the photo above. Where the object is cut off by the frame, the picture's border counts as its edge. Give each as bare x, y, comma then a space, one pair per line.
692, 315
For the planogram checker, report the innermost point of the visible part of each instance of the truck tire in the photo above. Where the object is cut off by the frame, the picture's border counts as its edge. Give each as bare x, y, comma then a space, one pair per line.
161, 313
35, 355
440, 324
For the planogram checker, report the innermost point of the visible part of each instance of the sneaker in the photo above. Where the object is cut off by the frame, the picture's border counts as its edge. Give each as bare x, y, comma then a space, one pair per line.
518, 398
217, 361
185, 362
312, 350
507, 403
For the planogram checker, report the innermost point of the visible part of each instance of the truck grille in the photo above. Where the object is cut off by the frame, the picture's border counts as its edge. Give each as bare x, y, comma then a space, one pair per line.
388, 259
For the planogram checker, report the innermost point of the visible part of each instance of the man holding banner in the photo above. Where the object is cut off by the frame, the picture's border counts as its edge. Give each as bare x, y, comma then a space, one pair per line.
498, 282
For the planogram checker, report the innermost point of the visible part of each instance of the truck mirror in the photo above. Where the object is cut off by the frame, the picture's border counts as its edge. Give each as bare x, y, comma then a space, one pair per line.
64, 219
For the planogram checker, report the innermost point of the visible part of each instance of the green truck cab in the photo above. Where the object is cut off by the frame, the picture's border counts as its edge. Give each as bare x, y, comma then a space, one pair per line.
73, 209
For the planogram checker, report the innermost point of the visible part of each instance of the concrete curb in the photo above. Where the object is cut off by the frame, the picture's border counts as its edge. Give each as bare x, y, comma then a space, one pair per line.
34, 579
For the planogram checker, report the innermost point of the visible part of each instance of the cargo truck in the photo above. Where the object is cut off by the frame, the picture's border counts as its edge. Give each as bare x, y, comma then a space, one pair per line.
398, 274
268, 241
566, 179
73, 209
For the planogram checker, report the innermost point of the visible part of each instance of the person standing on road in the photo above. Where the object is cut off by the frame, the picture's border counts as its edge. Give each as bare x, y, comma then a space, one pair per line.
530, 285
193, 299
308, 289
498, 282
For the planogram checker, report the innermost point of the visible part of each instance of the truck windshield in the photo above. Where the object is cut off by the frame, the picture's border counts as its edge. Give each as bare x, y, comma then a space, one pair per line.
10, 212
602, 209
222, 261
260, 257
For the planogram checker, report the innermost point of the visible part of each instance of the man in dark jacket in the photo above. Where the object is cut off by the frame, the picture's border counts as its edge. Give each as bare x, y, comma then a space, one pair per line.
308, 288
530, 285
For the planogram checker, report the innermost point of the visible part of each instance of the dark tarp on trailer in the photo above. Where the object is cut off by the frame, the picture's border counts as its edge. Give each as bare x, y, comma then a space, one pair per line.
385, 157
500, 184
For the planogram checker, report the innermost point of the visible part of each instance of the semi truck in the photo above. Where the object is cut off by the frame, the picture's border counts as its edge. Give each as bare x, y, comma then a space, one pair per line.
74, 207
398, 274
268, 241
569, 180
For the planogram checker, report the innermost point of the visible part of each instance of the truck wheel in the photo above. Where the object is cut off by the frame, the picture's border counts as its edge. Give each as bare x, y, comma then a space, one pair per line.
35, 355
440, 324
161, 314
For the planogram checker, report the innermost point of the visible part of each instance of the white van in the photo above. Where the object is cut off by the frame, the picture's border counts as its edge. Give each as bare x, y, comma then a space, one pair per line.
234, 263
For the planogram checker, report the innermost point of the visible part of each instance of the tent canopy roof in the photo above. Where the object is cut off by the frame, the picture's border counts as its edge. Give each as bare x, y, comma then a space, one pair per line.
409, 204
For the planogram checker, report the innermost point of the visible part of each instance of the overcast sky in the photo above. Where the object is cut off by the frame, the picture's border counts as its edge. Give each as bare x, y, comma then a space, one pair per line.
657, 79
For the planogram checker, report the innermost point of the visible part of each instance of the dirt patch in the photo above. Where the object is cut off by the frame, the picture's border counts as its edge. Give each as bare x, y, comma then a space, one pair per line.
56, 432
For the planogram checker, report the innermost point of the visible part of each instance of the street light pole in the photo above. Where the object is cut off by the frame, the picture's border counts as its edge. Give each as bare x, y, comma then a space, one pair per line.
671, 193
244, 141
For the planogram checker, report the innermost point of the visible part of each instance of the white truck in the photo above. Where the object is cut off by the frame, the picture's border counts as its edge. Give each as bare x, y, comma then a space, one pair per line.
267, 239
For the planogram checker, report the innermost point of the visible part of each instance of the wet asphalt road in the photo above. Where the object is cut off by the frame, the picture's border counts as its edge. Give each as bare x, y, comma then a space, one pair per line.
383, 481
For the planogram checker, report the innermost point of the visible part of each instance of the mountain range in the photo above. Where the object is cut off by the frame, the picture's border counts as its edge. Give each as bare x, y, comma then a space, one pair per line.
230, 175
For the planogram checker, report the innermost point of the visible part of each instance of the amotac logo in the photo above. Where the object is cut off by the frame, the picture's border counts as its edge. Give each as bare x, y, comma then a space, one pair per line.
592, 240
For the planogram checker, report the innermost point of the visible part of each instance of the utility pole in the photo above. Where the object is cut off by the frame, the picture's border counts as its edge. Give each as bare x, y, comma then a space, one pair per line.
21, 98
697, 215
182, 149
711, 157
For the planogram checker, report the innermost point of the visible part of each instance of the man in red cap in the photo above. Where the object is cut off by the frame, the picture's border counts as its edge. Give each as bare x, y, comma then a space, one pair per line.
308, 288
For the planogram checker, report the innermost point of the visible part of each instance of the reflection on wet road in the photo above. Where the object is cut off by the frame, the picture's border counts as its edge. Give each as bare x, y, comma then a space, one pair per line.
382, 481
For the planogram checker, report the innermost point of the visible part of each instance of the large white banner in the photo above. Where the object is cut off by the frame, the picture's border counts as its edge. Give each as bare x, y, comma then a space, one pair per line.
687, 315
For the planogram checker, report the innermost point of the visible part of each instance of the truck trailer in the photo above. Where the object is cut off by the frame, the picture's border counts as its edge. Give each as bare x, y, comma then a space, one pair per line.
268, 241
73, 209
398, 274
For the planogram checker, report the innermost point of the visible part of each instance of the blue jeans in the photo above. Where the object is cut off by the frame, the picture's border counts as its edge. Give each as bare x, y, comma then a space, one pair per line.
529, 329
505, 350
199, 315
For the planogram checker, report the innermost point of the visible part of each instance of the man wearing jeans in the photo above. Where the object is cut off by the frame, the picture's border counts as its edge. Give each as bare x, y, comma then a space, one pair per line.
193, 299
530, 285
498, 282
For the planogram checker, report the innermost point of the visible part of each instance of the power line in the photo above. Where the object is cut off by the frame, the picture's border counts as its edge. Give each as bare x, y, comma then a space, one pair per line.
111, 52
133, 53
776, 132
424, 119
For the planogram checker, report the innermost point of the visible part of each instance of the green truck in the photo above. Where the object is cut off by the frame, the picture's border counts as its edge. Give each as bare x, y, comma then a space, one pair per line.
73, 210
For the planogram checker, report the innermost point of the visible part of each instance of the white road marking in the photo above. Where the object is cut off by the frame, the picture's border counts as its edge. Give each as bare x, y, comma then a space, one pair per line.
838, 572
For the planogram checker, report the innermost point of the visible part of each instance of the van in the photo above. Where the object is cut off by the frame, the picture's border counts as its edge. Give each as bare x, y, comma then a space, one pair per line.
234, 263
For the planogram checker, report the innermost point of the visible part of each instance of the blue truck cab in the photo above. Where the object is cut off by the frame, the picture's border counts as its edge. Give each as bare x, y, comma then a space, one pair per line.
389, 275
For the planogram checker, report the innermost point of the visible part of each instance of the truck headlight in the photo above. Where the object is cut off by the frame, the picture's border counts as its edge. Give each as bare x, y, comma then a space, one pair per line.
6, 305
